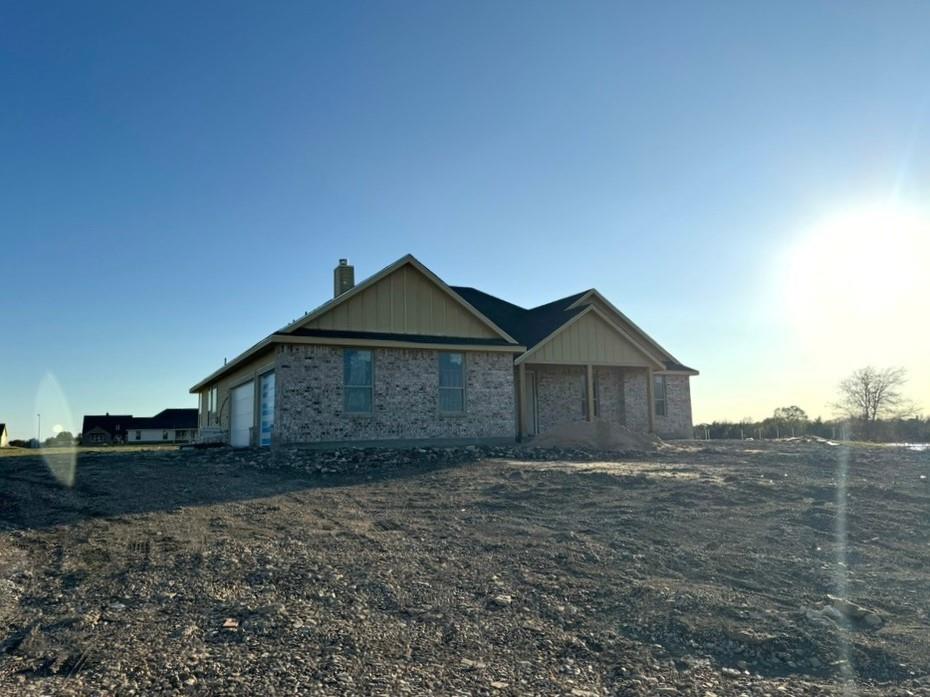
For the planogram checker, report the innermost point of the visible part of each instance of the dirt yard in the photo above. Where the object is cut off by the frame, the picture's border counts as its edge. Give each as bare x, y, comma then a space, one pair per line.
693, 571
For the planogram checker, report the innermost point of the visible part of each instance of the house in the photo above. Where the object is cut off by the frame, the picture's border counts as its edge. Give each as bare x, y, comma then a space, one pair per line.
405, 358
168, 426
105, 429
4, 437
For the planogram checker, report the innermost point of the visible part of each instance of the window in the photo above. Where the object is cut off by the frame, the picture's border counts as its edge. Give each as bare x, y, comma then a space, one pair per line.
211, 406
597, 396
164, 435
138, 435
660, 396
357, 379
452, 383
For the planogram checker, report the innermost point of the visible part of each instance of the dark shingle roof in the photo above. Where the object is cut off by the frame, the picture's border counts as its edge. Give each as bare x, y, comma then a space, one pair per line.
167, 418
385, 336
529, 327
119, 424
112, 424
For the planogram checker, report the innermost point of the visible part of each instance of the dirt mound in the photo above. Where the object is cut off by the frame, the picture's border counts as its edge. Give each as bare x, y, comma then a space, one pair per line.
594, 435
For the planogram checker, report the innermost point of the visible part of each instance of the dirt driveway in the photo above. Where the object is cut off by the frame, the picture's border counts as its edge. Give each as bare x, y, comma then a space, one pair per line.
694, 571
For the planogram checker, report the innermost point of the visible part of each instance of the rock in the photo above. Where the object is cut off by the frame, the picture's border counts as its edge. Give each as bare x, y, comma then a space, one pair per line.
501, 600
873, 620
472, 665
847, 607
499, 684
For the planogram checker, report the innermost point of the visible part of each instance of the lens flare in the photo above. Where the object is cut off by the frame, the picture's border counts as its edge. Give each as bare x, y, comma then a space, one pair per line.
51, 405
841, 574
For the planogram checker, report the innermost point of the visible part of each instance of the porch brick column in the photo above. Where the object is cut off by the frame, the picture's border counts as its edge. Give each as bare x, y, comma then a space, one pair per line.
589, 377
521, 402
650, 392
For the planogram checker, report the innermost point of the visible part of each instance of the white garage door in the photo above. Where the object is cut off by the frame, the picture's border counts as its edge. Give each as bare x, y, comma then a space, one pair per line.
241, 415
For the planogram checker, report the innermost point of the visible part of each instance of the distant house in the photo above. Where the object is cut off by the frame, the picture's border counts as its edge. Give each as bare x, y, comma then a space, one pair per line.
168, 426
402, 356
105, 429
4, 437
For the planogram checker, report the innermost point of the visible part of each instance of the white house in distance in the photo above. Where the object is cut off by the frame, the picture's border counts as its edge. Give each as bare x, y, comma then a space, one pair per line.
167, 426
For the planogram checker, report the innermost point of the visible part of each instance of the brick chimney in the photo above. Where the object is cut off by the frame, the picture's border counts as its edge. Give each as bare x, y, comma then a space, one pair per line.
343, 278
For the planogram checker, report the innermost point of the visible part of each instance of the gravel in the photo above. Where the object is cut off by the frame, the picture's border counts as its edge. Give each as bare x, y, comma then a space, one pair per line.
692, 570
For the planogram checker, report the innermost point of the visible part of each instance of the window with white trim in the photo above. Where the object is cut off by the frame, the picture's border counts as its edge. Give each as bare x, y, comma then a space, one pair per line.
358, 380
211, 406
451, 382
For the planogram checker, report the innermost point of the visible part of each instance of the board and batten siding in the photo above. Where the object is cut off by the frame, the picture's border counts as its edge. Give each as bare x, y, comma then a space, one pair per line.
590, 340
404, 302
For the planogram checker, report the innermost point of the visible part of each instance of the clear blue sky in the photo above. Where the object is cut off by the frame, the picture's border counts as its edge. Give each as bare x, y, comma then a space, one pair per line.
178, 179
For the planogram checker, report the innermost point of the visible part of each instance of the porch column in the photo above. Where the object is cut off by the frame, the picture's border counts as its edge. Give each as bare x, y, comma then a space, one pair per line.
521, 402
589, 377
650, 392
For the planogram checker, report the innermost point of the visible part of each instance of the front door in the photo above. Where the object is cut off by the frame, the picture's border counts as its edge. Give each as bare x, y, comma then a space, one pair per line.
532, 420
242, 415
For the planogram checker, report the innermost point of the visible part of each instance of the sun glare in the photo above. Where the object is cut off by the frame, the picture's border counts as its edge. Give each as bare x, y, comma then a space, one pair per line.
854, 290
862, 273
861, 263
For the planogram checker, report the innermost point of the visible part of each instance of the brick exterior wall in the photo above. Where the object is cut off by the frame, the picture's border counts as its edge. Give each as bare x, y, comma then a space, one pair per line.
559, 394
610, 401
677, 422
636, 399
309, 405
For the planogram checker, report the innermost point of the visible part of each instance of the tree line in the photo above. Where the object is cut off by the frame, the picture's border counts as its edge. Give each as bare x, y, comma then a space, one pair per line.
870, 406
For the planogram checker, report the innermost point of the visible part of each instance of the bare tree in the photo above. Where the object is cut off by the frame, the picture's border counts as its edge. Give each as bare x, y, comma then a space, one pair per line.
870, 394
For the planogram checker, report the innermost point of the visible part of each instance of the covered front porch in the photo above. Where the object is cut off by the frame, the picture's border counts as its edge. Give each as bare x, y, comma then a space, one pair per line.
549, 394
589, 369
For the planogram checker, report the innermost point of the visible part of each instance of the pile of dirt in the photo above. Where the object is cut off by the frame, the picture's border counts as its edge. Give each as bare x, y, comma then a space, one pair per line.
595, 435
